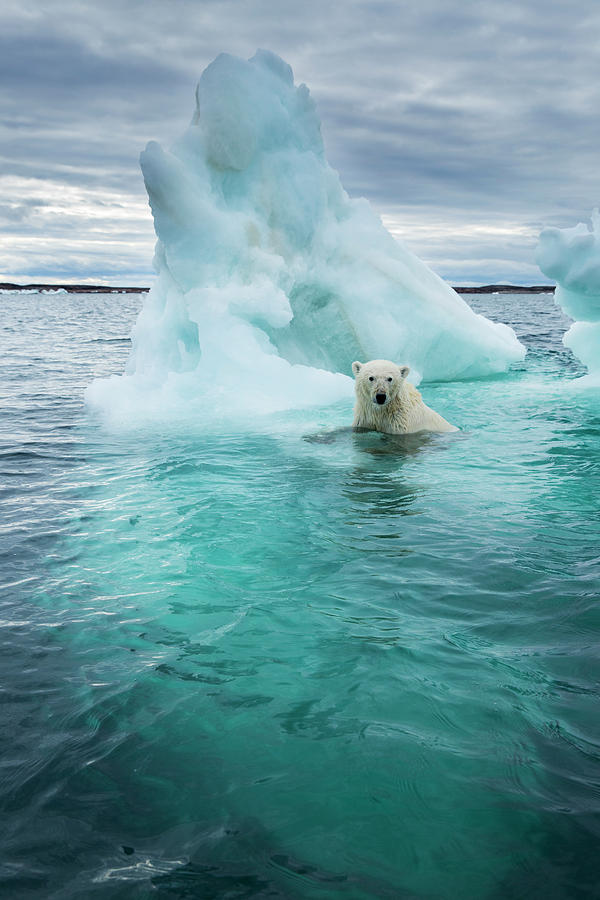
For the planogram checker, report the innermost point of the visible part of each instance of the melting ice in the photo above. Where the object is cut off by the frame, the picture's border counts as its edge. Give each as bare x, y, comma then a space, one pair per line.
571, 256
271, 280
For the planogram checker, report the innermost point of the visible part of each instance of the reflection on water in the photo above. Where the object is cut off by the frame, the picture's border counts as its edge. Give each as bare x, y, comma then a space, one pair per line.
376, 494
376, 443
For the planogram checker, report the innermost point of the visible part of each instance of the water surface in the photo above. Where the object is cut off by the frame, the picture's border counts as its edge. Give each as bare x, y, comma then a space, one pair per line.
297, 662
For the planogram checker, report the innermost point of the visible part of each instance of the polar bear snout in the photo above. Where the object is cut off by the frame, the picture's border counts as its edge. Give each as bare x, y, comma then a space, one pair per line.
380, 398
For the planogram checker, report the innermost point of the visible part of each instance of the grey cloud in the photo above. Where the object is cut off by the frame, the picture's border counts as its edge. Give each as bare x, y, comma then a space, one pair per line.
12, 214
473, 112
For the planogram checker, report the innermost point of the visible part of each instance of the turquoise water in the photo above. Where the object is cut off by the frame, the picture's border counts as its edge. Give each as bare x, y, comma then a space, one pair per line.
298, 662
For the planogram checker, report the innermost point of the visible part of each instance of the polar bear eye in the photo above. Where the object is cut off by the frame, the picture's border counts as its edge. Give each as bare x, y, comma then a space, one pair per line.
371, 378
390, 380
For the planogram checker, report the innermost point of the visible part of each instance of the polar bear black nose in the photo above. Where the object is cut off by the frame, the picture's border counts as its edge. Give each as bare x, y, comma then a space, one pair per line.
381, 398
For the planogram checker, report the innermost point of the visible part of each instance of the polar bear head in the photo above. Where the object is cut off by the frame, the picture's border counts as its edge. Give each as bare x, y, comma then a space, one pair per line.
379, 382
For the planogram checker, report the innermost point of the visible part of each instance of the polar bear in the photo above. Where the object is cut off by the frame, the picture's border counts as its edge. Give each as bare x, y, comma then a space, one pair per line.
386, 402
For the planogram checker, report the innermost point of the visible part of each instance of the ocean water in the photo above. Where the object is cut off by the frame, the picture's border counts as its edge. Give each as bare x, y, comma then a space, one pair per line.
298, 662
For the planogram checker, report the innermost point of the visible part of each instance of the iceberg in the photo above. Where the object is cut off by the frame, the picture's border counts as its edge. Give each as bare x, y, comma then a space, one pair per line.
571, 256
271, 280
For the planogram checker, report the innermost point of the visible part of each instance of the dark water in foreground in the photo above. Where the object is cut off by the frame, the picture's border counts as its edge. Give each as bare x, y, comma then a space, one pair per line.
252, 665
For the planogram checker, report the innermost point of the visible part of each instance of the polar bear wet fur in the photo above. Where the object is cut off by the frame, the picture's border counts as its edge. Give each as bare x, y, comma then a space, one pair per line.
386, 402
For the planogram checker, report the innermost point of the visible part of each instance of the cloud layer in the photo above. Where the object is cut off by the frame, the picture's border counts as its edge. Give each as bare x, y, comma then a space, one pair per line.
468, 126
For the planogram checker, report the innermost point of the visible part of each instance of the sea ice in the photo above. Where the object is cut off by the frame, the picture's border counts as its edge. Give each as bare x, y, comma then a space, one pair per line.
271, 280
571, 256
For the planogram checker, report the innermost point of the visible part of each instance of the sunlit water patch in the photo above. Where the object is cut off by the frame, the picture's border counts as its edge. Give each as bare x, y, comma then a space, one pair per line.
298, 661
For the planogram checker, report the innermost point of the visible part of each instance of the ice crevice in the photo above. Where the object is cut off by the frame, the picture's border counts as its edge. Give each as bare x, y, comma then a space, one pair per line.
271, 280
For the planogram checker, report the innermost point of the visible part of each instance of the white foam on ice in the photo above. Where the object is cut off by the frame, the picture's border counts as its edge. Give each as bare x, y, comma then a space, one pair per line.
571, 256
271, 280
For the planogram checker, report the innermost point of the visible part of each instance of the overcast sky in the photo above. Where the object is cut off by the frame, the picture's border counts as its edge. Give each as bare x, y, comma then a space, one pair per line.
468, 125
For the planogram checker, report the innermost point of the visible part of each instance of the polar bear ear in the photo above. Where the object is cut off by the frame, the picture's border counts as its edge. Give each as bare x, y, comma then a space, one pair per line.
356, 367
404, 370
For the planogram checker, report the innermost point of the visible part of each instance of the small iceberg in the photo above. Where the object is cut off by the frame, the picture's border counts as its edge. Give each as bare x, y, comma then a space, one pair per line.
571, 256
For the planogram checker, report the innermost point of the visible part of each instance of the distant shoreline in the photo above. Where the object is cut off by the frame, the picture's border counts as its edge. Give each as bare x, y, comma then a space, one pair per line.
507, 289
74, 288
108, 289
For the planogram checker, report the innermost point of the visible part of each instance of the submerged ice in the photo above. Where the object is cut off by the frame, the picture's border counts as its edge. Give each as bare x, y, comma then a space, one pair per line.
571, 256
271, 280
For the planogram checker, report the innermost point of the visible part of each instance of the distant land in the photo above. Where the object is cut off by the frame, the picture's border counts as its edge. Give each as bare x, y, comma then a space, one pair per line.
73, 288
109, 289
507, 289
